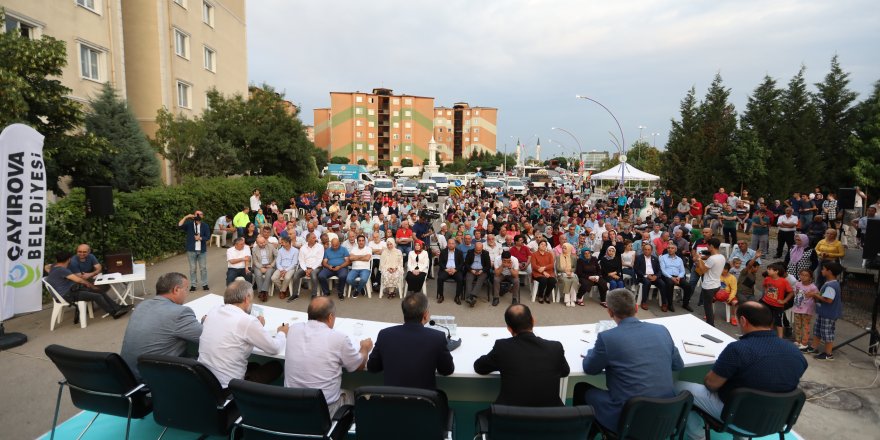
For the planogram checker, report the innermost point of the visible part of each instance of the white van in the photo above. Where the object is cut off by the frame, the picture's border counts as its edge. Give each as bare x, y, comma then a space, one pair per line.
442, 183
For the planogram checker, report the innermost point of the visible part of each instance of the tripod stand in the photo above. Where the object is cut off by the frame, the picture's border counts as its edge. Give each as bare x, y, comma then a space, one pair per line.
874, 341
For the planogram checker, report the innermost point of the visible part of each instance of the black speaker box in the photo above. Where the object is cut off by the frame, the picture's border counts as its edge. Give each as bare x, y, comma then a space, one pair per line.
871, 240
99, 201
846, 198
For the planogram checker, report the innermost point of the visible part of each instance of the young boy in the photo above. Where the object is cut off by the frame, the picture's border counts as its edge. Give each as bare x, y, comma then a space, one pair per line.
829, 307
777, 292
728, 292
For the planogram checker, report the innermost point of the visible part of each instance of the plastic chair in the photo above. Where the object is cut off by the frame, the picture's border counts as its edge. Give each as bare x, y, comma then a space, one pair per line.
650, 418
752, 413
534, 423
215, 237
369, 288
59, 303
554, 292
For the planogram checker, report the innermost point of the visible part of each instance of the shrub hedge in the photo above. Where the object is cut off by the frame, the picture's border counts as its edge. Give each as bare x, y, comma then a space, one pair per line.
145, 221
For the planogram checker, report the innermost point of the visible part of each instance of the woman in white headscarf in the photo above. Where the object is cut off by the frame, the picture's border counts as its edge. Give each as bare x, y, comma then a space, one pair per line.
391, 267
566, 278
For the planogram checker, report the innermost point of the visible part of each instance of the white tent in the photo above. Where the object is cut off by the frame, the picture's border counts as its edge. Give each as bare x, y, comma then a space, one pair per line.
628, 172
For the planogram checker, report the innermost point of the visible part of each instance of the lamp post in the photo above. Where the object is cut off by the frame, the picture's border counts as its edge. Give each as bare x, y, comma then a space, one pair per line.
580, 149
622, 141
654, 143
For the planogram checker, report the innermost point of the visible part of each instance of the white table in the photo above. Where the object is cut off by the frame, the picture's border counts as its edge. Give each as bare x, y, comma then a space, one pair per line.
126, 282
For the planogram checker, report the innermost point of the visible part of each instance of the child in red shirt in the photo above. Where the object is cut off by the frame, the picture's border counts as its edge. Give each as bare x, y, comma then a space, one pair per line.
777, 292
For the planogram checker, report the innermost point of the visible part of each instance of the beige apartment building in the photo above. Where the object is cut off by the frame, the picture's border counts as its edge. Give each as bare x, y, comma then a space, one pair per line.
156, 53
461, 130
375, 127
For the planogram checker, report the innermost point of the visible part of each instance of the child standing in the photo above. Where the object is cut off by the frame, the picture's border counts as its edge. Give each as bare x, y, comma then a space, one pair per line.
804, 308
829, 307
777, 292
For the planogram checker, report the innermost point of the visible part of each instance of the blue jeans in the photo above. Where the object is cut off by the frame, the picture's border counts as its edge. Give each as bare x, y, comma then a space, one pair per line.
615, 284
340, 284
198, 260
354, 274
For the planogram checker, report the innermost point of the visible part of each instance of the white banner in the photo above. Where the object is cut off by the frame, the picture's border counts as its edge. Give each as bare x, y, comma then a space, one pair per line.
22, 210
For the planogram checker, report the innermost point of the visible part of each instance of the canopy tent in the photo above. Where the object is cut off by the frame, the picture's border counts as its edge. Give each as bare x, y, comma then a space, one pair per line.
628, 172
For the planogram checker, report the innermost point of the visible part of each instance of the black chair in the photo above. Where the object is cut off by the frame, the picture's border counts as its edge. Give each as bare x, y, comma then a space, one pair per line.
187, 396
752, 413
99, 382
402, 413
652, 418
535, 423
273, 412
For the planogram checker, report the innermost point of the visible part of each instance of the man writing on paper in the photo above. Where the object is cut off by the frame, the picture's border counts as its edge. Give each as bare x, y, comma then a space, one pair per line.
638, 359
760, 360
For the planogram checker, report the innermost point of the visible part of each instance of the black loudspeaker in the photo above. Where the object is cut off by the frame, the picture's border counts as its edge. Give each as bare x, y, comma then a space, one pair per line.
871, 240
846, 198
99, 201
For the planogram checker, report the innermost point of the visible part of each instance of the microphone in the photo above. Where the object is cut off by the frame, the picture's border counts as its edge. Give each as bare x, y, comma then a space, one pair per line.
451, 344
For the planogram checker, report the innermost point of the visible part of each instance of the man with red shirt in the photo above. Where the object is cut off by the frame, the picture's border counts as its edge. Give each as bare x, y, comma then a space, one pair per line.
521, 253
720, 196
404, 238
696, 209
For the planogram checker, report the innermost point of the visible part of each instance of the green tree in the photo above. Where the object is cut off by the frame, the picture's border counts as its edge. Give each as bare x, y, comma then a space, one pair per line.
748, 159
563, 162
717, 128
762, 120
406, 162
644, 157
682, 149
362, 162
339, 160
833, 103
135, 165
192, 148
33, 95
385, 164
794, 157
864, 143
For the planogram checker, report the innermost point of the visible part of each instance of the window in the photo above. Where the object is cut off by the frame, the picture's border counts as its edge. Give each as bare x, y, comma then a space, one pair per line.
371, 124
477, 112
359, 99
90, 60
467, 130
476, 139
371, 147
181, 44
184, 94
448, 112
407, 148
208, 14
181, 3
407, 125
396, 125
407, 113
395, 136
440, 130
395, 113
467, 139
359, 146
88, 4
467, 113
370, 111
371, 100
407, 101
210, 59
358, 111
370, 135
395, 101
407, 136
358, 123
26, 30
359, 134
476, 129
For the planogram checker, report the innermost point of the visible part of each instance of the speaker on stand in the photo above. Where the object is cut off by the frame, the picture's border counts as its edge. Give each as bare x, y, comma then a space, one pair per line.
99, 204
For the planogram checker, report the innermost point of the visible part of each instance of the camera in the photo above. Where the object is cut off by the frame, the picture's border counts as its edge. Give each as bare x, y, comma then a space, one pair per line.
704, 253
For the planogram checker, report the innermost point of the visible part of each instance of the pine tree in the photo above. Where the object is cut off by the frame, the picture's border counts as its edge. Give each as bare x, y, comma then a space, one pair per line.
135, 164
683, 139
833, 103
794, 164
717, 126
864, 143
761, 120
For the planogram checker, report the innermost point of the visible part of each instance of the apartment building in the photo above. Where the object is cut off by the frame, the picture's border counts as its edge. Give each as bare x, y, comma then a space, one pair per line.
92, 32
461, 130
374, 127
156, 53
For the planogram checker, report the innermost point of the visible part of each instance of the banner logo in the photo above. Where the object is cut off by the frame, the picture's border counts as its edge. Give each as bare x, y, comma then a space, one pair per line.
21, 275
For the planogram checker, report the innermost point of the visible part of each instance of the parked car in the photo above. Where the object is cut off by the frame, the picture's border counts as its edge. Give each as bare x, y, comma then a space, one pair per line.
410, 188
493, 186
515, 187
428, 188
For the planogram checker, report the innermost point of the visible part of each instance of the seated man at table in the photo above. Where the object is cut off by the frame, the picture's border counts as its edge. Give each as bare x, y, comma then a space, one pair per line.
229, 334
161, 325
411, 354
335, 264
530, 367
638, 359
238, 261
85, 265
759, 360
316, 354
74, 288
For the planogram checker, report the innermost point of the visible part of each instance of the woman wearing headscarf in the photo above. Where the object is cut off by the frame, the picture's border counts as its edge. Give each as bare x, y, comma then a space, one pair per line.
566, 278
800, 257
612, 269
391, 267
589, 274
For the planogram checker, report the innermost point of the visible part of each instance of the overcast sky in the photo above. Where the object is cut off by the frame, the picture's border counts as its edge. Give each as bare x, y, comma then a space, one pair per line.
530, 58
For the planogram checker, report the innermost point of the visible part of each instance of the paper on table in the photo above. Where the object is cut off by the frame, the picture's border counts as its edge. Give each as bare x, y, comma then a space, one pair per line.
697, 347
110, 276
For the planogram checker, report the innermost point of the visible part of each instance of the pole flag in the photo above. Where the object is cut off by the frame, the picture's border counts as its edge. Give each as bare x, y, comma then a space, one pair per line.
22, 210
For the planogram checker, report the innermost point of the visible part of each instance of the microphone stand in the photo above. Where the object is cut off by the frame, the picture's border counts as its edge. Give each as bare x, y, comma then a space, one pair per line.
451, 344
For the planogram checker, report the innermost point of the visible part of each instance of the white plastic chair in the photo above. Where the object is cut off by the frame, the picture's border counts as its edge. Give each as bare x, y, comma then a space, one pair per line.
369, 288
59, 303
554, 292
215, 238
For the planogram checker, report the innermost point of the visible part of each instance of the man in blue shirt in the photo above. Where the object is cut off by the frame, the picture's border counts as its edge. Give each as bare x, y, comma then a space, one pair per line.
745, 253
466, 245
335, 264
760, 360
638, 359
672, 267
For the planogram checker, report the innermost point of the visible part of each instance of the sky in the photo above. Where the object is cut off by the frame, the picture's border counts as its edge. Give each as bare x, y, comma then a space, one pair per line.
530, 58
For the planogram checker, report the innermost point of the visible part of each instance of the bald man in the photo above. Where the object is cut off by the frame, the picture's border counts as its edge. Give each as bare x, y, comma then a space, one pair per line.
86, 266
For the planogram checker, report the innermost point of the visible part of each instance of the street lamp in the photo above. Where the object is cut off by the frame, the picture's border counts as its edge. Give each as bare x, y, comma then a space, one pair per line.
580, 149
622, 141
654, 135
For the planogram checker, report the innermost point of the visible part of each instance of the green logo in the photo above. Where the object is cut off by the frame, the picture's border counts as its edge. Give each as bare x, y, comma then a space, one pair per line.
21, 275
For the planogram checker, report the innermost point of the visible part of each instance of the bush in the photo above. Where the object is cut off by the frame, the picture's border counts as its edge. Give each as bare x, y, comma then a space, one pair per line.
146, 221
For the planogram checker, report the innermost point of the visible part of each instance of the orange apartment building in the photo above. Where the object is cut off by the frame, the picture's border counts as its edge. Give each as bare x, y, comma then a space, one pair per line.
462, 130
375, 126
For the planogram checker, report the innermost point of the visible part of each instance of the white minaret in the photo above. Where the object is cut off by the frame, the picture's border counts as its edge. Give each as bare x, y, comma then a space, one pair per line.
518, 153
538, 151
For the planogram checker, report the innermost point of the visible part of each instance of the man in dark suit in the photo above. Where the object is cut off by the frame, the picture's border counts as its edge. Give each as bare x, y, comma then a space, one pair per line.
197, 236
478, 268
530, 366
648, 275
638, 359
450, 268
410, 354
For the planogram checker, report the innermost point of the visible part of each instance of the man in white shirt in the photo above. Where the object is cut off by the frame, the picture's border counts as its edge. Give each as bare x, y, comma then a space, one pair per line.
229, 335
711, 267
238, 261
310, 258
223, 227
263, 262
787, 225
493, 248
360, 256
506, 272
316, 355
255, 201
286, 265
